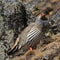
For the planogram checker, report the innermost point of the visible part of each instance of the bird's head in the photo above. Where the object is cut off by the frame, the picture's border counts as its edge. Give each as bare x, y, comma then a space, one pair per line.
41, 15
39, 19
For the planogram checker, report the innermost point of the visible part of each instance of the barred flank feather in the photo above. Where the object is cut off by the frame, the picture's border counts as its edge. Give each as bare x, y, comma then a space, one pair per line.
32, 34
31, 37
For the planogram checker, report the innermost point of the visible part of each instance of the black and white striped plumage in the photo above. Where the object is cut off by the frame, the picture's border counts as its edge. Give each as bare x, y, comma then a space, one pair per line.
30, 37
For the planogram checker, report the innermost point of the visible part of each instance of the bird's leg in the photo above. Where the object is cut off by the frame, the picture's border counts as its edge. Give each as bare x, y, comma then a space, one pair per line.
31, 48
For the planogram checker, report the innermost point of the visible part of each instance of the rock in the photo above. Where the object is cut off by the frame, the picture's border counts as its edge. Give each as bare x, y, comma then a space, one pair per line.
40, 5
57, 57
26, 1
2, 54
54, 1
56, 37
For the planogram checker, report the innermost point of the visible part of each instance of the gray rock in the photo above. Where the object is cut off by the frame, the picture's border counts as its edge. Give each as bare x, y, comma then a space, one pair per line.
2, 54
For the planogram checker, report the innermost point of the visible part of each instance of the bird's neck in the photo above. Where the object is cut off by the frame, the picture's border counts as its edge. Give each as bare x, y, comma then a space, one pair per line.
38, 21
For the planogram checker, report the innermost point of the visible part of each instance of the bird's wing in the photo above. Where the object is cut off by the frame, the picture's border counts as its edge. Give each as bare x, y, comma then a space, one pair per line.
30, 35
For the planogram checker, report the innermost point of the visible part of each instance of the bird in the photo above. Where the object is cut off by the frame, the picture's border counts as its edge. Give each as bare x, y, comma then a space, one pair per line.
30, 36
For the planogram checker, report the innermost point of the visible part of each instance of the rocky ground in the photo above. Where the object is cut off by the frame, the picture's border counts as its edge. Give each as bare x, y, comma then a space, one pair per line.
9, 33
